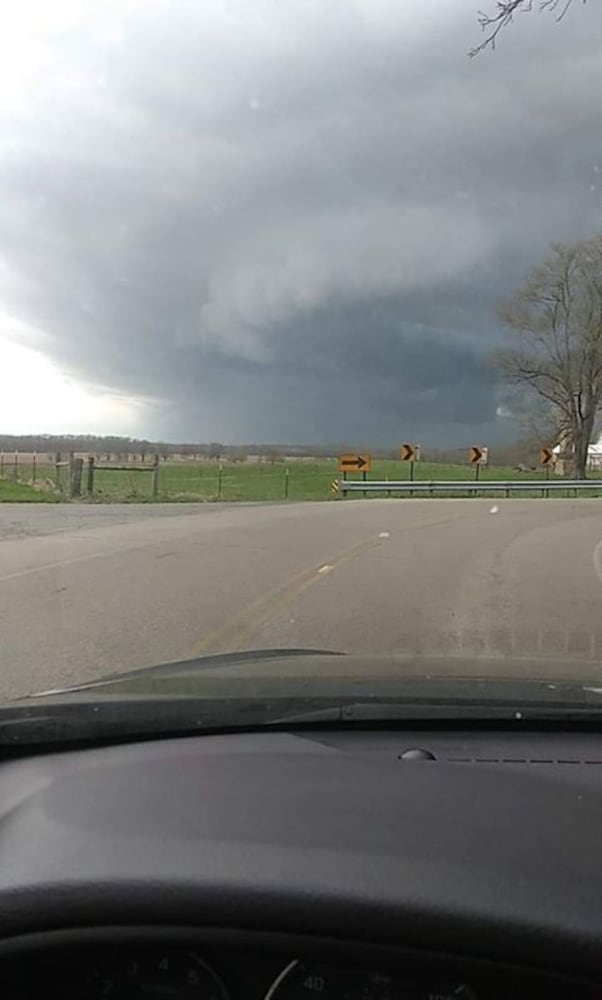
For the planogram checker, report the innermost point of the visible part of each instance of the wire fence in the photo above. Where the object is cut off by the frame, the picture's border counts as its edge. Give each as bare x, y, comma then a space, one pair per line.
219, 482
129, 478
144, 478
32, 468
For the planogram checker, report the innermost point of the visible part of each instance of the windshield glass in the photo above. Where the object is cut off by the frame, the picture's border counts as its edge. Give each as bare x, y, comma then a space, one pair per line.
301, 342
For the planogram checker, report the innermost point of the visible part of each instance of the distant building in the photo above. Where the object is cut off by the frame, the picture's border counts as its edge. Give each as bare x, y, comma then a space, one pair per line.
594, 456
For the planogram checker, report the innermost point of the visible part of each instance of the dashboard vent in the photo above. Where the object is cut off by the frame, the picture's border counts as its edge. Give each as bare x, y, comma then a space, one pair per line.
424, 754
520, 760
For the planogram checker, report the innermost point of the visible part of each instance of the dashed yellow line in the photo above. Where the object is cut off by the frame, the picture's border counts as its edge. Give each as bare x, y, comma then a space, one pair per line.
238, 631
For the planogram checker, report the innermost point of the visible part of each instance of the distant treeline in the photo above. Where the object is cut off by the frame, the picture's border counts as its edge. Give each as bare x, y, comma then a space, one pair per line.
99, 444
524, 451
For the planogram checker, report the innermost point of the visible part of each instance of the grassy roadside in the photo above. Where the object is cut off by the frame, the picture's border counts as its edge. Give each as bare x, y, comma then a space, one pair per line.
206, 481
235, 481
11, 492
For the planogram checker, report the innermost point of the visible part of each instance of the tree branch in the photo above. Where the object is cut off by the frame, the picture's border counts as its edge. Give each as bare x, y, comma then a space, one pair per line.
557, 317
503, 15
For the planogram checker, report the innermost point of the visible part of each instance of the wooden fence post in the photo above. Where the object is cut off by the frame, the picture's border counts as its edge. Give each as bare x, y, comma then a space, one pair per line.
90, 477
34, 467
75, 481
16, 466
57, 466
155, 476
1, 465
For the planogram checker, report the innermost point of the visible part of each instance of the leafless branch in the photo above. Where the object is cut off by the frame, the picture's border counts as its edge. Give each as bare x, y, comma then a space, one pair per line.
503, 15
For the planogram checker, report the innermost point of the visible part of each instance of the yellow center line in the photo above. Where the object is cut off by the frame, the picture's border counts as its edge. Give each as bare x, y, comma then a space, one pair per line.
241, 627
238, 631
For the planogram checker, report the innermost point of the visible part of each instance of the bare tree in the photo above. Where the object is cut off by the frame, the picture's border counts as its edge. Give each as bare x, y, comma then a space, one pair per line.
504, 12
557, 319
215, 450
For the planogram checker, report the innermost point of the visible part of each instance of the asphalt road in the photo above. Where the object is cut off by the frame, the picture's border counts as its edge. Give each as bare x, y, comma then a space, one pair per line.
90, 590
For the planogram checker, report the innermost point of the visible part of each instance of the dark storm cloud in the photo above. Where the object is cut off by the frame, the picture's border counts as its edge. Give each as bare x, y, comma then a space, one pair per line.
292, 221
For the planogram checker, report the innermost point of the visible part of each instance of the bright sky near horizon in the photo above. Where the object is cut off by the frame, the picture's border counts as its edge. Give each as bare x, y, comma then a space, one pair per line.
36, 398
36, 395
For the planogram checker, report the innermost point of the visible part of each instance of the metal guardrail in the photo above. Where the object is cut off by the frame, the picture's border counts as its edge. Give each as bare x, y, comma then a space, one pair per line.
471, 486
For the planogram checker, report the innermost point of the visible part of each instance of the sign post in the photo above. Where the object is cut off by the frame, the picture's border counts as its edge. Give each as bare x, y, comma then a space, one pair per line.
410, 453
547, 458
478, 455
355, 463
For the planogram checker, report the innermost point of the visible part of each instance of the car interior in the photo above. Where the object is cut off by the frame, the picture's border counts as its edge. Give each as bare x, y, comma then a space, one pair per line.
359, 862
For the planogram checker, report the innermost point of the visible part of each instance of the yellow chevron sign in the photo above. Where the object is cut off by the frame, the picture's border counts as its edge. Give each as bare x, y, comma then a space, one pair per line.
410, 452
478, 455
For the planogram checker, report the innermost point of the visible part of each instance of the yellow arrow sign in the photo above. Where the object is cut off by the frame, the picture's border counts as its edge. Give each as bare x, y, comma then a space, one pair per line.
410, 452
547, 456
355, 463
478, 455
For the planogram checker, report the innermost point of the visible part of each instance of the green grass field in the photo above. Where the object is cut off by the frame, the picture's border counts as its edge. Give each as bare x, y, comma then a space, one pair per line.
11, 492
278, 481
206, 481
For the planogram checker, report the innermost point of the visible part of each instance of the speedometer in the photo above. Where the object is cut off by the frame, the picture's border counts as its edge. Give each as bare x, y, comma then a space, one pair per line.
172, 973
315, 981
304, 981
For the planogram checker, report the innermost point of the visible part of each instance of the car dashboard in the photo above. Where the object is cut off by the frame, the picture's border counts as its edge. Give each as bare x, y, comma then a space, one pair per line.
336, 864
125, 963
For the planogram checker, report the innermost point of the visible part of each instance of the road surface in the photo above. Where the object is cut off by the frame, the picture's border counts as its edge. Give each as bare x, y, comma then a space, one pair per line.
90, 590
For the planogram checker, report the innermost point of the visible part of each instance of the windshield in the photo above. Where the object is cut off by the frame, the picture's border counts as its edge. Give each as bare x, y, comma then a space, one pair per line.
301, 344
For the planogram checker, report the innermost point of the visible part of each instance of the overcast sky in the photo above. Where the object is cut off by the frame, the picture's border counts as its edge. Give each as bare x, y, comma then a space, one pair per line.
280, 220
